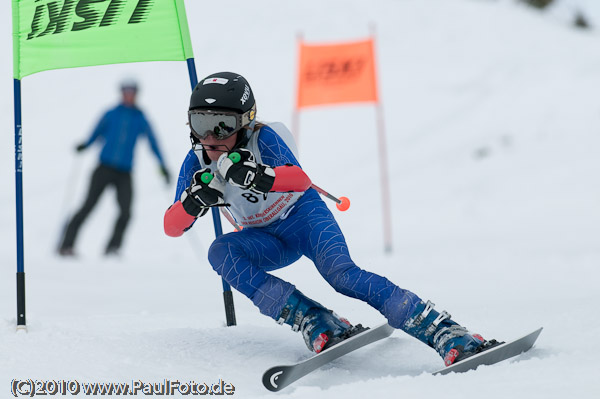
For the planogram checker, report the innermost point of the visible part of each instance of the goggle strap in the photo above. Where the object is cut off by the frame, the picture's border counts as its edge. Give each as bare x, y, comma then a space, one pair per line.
245, 120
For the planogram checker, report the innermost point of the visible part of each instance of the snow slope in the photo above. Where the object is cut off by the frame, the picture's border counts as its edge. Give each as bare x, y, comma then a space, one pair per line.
492, 115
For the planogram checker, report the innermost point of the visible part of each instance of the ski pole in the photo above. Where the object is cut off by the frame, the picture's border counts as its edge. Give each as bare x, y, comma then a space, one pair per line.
231, 220
207, 177
68, 195
292, 178
342, 203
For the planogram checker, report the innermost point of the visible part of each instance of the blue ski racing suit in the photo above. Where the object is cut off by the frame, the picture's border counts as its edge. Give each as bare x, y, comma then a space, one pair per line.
304, 226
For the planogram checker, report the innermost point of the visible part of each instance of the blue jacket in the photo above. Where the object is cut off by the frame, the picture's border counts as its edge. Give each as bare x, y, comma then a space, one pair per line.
119, 128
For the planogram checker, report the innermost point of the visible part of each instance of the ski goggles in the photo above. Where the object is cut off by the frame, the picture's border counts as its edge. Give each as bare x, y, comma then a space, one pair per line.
218, 123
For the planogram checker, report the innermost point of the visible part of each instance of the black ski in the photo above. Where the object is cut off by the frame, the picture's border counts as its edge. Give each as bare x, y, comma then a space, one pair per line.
493, 355
279, 377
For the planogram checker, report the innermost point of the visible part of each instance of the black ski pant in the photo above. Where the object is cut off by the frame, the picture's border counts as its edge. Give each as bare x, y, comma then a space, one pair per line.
103, 177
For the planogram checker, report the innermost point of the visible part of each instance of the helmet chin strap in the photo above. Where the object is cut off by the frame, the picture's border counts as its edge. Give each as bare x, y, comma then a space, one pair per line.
244, 135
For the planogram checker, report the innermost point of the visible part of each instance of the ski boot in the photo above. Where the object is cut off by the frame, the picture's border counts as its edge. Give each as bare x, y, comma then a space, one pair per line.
452, 341
320, 327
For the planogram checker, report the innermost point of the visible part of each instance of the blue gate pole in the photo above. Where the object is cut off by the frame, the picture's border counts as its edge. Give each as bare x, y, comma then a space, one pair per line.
21, 324
227, 294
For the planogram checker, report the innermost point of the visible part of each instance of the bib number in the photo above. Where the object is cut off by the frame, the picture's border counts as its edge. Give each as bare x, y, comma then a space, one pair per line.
250, 197
253, 198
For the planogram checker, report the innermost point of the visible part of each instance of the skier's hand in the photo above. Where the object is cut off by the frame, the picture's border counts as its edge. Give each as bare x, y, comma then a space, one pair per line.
165, 174
80, 147
204, 192
240, 169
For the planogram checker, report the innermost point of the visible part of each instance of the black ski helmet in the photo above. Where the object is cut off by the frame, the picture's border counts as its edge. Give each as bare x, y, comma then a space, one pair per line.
226, 91
223, 90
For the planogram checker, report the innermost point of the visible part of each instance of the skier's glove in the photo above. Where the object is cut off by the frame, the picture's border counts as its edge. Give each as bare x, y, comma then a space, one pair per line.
240, 169
204, 192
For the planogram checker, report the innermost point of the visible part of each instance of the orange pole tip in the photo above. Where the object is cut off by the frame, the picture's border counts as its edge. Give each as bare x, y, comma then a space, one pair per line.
344, 204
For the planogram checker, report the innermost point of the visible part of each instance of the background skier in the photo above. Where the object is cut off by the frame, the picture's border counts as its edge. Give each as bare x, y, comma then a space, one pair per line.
119, 130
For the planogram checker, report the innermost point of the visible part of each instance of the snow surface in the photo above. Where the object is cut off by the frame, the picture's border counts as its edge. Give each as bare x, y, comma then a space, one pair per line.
492, 116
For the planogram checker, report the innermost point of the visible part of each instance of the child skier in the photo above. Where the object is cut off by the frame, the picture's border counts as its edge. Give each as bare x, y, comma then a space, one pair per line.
245, 165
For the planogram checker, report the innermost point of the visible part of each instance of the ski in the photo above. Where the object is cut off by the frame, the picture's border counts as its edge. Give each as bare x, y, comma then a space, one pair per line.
493, 355
278, 377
